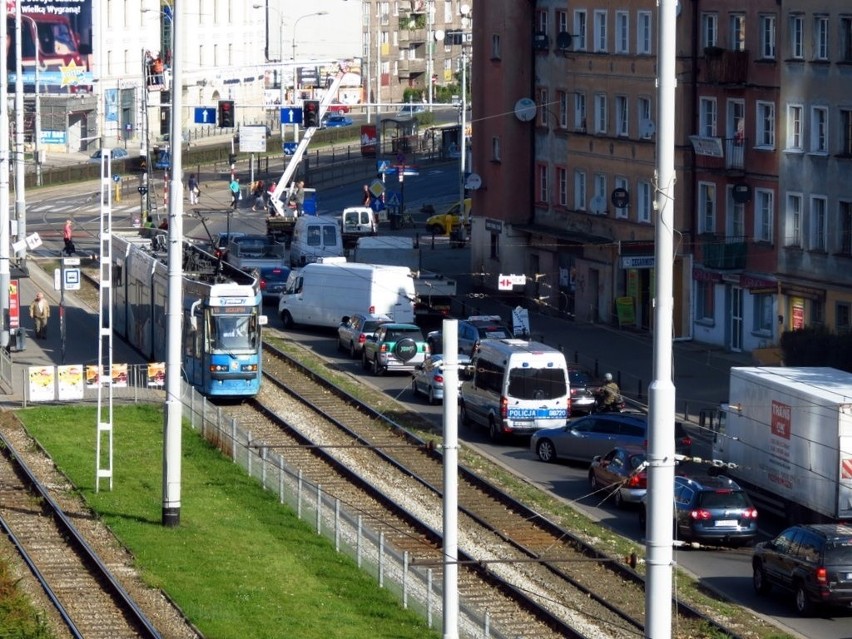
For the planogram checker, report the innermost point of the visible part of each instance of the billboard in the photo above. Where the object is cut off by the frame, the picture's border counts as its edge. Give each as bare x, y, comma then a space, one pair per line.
56, 34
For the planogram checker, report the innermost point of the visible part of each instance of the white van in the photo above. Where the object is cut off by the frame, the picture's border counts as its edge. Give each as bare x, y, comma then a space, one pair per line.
517, 388
315, 236
356, 222
321, 294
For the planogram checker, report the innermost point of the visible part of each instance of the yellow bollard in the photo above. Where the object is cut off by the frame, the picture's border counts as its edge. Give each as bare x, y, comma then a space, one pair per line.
117, 196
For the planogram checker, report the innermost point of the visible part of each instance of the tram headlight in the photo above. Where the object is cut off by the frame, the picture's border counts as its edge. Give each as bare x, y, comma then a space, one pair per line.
249, 367
218, 368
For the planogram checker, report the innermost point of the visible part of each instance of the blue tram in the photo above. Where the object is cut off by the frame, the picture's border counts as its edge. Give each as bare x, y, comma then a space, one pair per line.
221, 323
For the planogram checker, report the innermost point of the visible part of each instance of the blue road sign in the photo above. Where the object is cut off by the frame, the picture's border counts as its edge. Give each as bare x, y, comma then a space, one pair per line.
116, 177
205, 115
393, 198
289, 148
291, 115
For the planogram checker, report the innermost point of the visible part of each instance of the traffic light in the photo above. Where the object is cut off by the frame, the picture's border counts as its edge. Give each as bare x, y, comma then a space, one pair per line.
226, 114
311, 113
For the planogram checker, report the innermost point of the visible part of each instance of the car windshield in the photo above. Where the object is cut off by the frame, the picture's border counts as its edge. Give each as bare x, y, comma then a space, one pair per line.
537, 383
403, 333
370, 326
493, 332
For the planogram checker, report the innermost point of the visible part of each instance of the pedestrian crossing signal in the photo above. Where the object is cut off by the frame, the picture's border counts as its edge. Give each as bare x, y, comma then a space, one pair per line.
311, 113
226, 114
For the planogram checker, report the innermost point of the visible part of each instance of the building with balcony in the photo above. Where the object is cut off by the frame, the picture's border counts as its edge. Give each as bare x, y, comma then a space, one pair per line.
735, 149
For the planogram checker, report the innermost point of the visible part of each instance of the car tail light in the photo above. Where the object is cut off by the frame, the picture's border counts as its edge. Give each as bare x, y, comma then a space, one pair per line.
504, 406
637, 481
821, 575
362, 338
383, 348
701, 514
439, 379
262, 285
686, 441
750, 513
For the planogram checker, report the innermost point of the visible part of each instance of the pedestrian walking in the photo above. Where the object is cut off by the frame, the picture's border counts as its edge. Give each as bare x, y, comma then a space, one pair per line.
234, 187
366, 196
40, 314
258, 194
66, 237
192, 185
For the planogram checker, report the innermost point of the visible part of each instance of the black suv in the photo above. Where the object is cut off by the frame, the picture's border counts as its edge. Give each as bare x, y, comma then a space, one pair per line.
812, 561
712, 510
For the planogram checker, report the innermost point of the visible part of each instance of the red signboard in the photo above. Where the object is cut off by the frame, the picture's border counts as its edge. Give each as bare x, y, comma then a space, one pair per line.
368, 140
782, 417
14, 305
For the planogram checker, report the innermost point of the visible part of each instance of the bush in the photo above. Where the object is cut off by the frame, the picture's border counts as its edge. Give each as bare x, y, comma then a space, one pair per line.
817, 346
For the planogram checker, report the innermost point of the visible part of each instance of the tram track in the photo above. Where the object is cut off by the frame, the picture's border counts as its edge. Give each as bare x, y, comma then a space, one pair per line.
557, 571
88, 598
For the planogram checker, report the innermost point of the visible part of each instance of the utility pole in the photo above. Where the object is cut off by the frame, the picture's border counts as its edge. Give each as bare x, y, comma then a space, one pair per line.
20, 168
4, 188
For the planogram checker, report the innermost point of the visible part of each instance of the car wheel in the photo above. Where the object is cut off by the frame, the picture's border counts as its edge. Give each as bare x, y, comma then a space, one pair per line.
435, 229
465, 418
759, 581
339, 346
414, 387
804, 606
365, 363
432, 399
593, 481
494, 433
619, 499
377, 370
287, 320
352, 352
546, 451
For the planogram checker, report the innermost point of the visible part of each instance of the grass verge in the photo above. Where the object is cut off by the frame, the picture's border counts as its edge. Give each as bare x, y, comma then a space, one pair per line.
239, 564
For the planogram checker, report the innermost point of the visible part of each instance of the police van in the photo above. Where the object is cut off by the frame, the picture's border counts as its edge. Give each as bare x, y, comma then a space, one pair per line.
517, 388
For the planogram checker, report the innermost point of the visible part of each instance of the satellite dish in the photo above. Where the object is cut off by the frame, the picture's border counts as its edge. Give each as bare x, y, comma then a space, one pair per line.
525, 109
620, 198
563, 41
647, 128
473, 182
597, 205
439, 35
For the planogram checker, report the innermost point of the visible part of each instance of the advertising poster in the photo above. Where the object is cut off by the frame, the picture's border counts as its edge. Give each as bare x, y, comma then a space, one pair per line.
93, 376
368, 140
14, 305
41, 383
157, 374
118, 376
56, 35
70, 382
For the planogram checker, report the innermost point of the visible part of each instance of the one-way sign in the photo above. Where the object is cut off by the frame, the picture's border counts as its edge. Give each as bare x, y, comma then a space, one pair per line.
205, 115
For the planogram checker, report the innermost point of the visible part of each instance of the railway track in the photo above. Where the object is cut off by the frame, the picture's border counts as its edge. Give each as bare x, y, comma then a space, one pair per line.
539, 571
88, 598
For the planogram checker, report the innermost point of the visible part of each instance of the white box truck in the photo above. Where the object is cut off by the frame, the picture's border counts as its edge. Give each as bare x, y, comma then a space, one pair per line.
787, 432
322, 293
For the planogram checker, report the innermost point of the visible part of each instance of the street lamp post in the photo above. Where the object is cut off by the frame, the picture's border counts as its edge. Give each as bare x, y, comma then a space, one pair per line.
295, 29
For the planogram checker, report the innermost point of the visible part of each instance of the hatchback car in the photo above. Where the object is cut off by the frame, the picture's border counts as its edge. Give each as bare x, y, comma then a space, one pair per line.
410, 110
583, 438
272, 281
814, 562
115, 154
470, 332
335, 121
583, 388
428, 377
711, 510
621, 475
354, 331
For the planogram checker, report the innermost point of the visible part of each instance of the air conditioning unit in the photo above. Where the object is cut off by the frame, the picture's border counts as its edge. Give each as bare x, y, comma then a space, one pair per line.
563, 42
541, 42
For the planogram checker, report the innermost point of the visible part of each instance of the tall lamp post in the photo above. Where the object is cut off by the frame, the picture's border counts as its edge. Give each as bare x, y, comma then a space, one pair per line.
295, 30
281, 86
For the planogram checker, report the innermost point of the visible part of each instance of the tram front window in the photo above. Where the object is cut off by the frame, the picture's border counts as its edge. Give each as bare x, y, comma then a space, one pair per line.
233, 333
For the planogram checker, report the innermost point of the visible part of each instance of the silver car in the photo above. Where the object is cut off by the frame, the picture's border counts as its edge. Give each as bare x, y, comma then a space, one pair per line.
428, 377
354, 331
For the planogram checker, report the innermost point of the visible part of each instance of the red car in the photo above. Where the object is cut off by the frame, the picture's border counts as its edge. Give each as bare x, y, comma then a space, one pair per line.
338, 108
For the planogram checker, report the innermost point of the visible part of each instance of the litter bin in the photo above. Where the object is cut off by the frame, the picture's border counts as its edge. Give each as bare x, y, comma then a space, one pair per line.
20, 339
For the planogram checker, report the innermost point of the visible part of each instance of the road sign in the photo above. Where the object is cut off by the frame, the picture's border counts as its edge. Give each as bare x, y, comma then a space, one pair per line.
116, 178
506, 282
289, 148
205, 115
393, 199
71, 282
291, 115
142, 190
253, 138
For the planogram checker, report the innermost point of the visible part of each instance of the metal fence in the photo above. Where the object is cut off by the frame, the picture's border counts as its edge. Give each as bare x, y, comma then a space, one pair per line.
418, 588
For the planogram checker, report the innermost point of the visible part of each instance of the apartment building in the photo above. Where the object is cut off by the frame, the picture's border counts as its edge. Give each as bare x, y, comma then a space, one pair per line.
564, 140
736, 146
413, 44
815, 165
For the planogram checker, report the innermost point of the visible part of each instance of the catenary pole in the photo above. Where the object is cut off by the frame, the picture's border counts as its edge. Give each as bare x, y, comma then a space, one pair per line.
4, 188
661, 392
20, 169
172, 434
451, 487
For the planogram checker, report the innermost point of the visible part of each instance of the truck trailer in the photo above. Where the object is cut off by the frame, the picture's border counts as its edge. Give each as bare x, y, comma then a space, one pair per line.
786, 435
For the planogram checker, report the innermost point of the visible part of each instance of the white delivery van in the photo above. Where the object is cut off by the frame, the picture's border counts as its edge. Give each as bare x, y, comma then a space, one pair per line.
356, 222
321, 294
517, 388
315, 236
